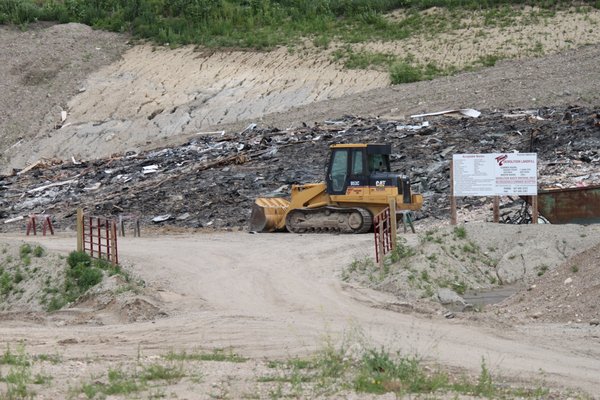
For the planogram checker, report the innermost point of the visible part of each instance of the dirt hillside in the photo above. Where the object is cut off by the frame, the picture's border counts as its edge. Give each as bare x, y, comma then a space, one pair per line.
120, 98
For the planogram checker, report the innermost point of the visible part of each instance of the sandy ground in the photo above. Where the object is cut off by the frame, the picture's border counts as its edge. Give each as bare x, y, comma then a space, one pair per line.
279, 295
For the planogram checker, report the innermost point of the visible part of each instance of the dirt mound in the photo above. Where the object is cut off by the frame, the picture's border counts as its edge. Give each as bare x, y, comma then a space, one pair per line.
31, 280
567, 294
444, 263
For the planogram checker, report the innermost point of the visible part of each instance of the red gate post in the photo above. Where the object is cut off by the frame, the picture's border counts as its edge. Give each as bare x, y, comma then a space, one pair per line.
91, 237
31, 225
380, 245
47, 224
99, 237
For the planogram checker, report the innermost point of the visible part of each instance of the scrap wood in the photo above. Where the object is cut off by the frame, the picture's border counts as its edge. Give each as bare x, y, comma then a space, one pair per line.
29, 168
42, 188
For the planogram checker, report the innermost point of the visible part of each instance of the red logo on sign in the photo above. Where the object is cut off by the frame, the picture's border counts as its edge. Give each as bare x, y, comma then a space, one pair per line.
501, 159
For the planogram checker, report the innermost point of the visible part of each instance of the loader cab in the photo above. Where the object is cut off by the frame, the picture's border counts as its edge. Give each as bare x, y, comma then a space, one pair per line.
357, 165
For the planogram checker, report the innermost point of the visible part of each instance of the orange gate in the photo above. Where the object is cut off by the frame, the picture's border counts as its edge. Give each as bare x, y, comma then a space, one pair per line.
97, 236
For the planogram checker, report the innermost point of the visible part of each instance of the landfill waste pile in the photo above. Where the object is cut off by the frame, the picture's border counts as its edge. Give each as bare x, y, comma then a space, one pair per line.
212, 180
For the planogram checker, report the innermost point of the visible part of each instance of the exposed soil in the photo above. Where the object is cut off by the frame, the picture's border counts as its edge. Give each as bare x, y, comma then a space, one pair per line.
154, 96
42, 68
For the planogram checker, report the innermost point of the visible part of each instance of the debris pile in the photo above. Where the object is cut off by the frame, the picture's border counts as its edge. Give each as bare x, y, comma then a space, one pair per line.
212, 180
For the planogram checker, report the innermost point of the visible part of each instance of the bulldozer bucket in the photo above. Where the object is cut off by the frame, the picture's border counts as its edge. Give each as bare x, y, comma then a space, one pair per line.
268, 214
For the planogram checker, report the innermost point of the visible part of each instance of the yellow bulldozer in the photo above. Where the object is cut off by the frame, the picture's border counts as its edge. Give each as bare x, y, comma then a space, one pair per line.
358, 186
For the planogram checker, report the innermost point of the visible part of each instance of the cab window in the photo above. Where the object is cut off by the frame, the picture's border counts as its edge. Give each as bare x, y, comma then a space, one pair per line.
357, 162
378, 163
339, 170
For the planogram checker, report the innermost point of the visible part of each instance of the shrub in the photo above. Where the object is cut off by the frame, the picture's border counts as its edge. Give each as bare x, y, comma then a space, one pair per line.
6, 283
38, 251
402, 72
460, 232
84, 277
24, 250
77, 257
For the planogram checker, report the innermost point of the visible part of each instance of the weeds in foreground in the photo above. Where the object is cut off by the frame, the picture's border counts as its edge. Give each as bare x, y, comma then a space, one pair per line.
215, 355
379, 371
119, 381
19, 375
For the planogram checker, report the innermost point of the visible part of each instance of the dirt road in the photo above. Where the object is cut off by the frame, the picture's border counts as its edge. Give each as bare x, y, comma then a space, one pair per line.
276, 295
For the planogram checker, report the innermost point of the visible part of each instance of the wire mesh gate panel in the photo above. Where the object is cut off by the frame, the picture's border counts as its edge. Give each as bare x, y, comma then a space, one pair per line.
383, 234
97, 236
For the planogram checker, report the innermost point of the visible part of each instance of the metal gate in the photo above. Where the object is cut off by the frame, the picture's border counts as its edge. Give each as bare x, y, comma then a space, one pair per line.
97, 236
383, 234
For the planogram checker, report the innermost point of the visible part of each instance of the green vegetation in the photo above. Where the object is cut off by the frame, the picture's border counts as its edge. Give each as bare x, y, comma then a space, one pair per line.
265, 24
19, 375
379, 371
82, 273
216, 355
120, 381
574, 268
260, 23
460, 232
541, 269
336, 369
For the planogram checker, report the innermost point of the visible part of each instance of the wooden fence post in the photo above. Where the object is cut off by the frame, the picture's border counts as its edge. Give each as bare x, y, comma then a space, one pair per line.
496, 209
79, 229
114, 255
453, 213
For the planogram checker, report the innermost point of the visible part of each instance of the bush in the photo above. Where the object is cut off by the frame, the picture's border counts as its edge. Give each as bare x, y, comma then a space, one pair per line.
38, 251
24, 250
6, 283
78, 257
84, 276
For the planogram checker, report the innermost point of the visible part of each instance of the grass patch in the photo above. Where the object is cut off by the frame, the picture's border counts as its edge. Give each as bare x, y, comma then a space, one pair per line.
19, 375
18, 358
379, 371
119, 381
460, 232
574, 269
216, 355
266, 23
541, 269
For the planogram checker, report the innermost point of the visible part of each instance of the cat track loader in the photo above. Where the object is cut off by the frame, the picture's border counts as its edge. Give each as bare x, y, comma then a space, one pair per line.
358, 186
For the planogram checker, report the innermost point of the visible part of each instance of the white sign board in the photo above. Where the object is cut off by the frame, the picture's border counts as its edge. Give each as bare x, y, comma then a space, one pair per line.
498, 174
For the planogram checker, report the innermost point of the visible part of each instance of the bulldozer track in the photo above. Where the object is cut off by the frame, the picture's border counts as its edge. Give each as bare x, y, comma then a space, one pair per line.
329, 219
